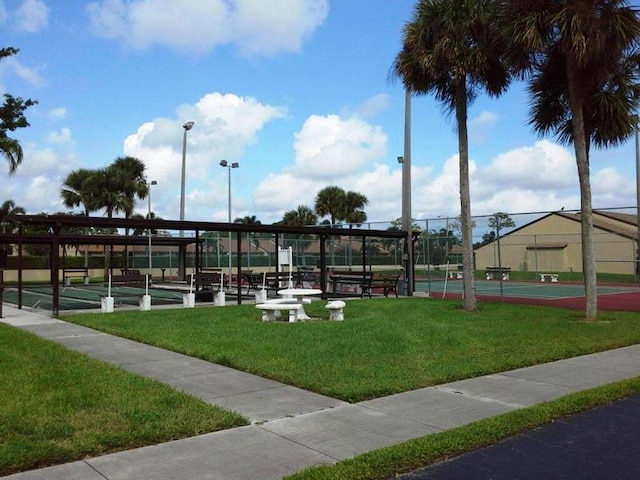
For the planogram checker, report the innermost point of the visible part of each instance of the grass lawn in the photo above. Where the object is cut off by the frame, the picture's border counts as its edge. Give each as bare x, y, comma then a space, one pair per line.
57, 406
384, 346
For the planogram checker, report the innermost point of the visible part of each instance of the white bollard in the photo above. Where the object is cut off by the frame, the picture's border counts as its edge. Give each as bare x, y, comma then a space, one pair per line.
219, 299
145, 303
106, 304
189, 300
261, 296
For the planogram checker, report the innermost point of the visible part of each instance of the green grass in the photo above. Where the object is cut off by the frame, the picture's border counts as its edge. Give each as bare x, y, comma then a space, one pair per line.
384, 346
57, 406
391, 461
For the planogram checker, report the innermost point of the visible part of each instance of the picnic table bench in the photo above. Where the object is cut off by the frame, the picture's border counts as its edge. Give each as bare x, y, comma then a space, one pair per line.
270, 281
69, 273
136, 280
493, 273
361, 281
207, 285
388, 282
551, 276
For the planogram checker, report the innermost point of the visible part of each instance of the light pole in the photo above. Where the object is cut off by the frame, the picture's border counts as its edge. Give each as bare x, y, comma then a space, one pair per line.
229, 166
406, 194
181, 254
153, 182
637, 127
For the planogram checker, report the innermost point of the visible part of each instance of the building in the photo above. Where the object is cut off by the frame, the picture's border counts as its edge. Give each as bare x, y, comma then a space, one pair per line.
553, 244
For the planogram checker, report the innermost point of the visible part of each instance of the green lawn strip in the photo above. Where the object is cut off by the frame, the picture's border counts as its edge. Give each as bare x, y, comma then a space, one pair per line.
391, 461
58, 406
384, 346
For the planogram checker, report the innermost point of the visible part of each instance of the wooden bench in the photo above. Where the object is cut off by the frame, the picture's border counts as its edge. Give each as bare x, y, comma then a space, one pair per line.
494, 273
69, 273
360, 280
271, 281
271, 311
553, 277
456, 275
206, 285
136, 280
387, 281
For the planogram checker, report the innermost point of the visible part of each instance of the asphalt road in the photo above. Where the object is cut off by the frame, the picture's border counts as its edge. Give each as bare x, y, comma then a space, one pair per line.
603, 443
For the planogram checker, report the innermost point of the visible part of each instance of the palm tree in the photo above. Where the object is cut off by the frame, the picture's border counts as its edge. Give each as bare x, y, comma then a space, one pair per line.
252, 237
353, 214
12, 152
8, 212
75, 191
300, 217
330, 201
11, 118
584, 62
451, 49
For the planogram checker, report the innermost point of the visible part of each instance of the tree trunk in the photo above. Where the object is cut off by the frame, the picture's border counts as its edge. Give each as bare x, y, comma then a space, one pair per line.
586, 209
469, 301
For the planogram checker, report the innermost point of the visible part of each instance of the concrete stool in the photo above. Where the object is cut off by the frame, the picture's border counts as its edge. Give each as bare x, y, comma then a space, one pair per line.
335, 309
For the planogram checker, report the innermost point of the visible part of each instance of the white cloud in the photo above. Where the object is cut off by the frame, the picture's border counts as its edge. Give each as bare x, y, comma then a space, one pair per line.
29, 75
373, 106
32, 16
58, 113
329, 147
543, 166
256, 27
61, 137
484, 118
224, 126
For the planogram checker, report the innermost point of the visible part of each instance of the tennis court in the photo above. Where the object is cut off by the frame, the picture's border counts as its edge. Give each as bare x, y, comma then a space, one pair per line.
567, 295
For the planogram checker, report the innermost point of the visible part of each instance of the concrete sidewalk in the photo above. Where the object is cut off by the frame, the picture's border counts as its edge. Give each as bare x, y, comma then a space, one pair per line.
293, 429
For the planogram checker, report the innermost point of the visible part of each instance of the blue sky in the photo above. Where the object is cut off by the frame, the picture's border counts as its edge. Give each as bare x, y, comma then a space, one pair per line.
296, 91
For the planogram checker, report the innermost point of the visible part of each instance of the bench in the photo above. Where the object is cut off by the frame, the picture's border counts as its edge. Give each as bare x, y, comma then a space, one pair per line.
335, 308
456, 275
387, 281
206, 285
136, 280
271, 311
494, 273
68, 273
551, 276
271, 281
360, 280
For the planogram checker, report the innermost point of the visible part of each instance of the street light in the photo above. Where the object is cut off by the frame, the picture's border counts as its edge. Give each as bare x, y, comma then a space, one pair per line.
637, 127
153, 182
181, 266
229, 166
406, 194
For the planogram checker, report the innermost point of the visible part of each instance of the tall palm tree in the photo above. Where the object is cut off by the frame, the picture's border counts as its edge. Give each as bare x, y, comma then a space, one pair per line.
252, 237
452, 49
330, 201
8, 212
11, 118
354, 214
583, 60
300, 217
76, 192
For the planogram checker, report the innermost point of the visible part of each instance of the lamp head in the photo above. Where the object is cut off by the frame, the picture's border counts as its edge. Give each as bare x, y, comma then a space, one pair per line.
223, 163
235, 165
187, 125
400, 160
153, 182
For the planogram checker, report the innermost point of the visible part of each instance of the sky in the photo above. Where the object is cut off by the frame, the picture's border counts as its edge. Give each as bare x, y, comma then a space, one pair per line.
298, 92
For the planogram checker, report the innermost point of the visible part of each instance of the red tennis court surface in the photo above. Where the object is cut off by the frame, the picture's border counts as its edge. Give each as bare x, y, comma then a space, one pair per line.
565, 295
